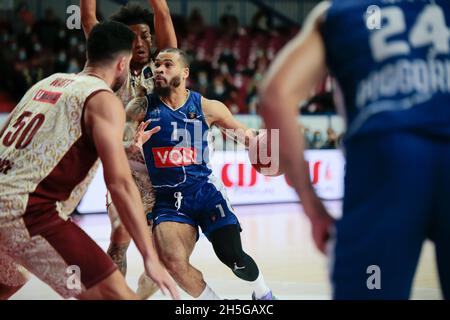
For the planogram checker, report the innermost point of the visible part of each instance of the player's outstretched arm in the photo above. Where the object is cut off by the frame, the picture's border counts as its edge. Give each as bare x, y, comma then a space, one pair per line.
164, 29
216, 113
88, 15
135, 114
105, 119
299, 66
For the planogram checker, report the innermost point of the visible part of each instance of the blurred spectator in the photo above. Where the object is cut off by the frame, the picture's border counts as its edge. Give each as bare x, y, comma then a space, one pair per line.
48, 30
220, 89
262, 21
202, 82
34, 49
308, 137
24, 18
226, 62
331, 142
195, 23
229, 24
317, 140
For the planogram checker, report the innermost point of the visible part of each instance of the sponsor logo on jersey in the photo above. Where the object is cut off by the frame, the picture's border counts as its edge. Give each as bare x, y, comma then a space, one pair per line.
192, 113
165, 157
155, 113
47, 96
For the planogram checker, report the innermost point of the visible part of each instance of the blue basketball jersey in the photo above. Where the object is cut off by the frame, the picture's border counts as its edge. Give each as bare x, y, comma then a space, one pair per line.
391, 59
177, 157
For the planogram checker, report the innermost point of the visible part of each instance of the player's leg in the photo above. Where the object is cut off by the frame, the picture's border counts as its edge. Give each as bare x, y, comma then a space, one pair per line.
7, 292
442, 246
119, 240
387, 201
227, 245
146, 286
12, 277
113, 287
175, 242
221, 226
62, 255
441, 225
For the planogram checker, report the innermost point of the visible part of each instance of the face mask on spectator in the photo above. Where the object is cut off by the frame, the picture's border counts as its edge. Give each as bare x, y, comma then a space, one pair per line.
219, 88
73, 41
37, 47
202, 79
317, 137
73, 66
271, 53
22, 55
224, 68
200, 54
238, 80
62, 57
234, 109
308, 135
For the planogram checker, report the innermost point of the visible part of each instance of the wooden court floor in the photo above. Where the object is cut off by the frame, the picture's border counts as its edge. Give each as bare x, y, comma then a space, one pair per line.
277, 236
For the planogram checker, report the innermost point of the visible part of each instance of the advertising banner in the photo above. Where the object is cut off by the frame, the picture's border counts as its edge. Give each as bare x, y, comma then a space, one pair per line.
245, 186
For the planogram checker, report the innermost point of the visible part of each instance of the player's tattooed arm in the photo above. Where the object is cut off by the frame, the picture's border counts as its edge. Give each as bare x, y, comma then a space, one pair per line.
118, 253
135, 114
136, 109
216, 113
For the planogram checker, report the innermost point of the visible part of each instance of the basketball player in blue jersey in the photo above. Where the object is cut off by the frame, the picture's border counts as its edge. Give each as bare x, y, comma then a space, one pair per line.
188, 195
391, 60
138, 83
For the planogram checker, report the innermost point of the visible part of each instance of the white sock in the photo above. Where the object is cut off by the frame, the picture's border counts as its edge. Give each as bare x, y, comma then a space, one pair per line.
208, 294
259, 286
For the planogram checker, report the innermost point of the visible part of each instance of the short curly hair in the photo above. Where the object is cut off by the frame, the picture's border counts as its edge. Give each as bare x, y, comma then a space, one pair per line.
133, 13
107, 40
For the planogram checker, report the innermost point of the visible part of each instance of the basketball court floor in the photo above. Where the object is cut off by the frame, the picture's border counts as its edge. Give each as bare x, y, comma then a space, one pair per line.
277, 236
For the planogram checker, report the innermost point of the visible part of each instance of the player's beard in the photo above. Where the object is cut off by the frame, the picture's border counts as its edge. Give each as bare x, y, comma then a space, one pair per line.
119, 82
164, 91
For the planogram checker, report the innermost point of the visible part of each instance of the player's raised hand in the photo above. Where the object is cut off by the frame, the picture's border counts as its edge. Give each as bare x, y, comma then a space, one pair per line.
143, 136
161, 277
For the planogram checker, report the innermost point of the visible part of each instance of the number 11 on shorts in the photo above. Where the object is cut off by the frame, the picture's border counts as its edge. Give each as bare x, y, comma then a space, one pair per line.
222, 213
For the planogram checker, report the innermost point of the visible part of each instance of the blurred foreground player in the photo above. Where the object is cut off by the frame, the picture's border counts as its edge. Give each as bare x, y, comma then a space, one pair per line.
393, 68
188, 195
139, 82
49, 143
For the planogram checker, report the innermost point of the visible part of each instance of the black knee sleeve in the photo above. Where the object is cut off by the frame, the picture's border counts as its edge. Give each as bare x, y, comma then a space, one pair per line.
227, 245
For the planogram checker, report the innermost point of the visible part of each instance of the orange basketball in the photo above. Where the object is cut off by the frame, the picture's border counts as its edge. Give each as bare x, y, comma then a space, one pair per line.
261, 157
